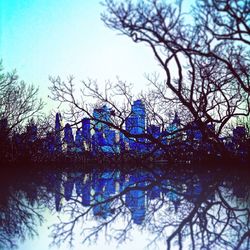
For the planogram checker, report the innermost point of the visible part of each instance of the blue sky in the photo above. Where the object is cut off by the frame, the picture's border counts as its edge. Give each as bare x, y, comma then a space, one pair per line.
39, 38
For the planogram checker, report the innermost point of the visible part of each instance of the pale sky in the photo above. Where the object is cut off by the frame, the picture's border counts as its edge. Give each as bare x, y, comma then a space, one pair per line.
40, 38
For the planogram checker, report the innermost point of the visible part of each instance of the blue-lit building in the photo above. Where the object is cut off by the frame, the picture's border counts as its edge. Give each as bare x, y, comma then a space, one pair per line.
98, 137
102, 114
135, 124
31, 133
110, 142
50, 143
68, 138
239, 133
86, 133
104, 138
154, 130
239, 141
172, 133
79, 141
98, 141
194, 134
122, 142
58, 132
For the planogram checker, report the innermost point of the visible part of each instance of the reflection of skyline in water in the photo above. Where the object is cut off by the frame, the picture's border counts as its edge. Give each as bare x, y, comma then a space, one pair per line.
186, 208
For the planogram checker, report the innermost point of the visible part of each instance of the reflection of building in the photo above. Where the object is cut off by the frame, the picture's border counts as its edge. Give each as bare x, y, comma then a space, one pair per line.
101, 206
68, 187
58, 192
154, 192
86, 193
135, 199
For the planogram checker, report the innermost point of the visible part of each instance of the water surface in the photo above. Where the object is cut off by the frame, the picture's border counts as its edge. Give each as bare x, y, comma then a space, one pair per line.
154, 207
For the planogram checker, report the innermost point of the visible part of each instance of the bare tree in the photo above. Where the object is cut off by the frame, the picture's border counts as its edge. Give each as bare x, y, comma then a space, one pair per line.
205, 77
212, 79
227, 25
18, 101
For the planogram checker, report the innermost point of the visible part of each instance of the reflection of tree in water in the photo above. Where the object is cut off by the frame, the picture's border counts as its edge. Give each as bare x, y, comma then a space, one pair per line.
23, 198
184, 208
199, 211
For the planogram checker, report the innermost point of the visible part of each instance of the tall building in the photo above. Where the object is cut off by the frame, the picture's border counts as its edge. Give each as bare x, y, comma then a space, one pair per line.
31, 132
50, 143
172, 129
58, 133
79, 141
194, 133
68, 137
86, 133
136, 122
154, 131
103, 114
98, 141
104, 138
239, 133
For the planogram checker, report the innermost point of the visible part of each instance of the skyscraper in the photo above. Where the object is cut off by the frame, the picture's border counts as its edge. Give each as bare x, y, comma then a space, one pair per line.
31, 132
68, 137
172, 130
102, 114
86, 133
58, 132
135, 124
79, 141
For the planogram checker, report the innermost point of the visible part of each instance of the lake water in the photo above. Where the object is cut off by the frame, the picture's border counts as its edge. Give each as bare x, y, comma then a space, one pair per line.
150, 207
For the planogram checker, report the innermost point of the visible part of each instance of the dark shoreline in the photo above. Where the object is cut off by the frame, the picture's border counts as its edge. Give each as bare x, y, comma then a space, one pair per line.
97, 164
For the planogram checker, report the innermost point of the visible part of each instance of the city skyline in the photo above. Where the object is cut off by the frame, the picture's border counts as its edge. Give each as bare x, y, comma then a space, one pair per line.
125, 120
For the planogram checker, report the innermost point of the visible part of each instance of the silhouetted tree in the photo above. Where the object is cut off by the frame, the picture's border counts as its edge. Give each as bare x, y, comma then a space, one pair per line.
19, 101
18, 104
211, 79
204, 79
